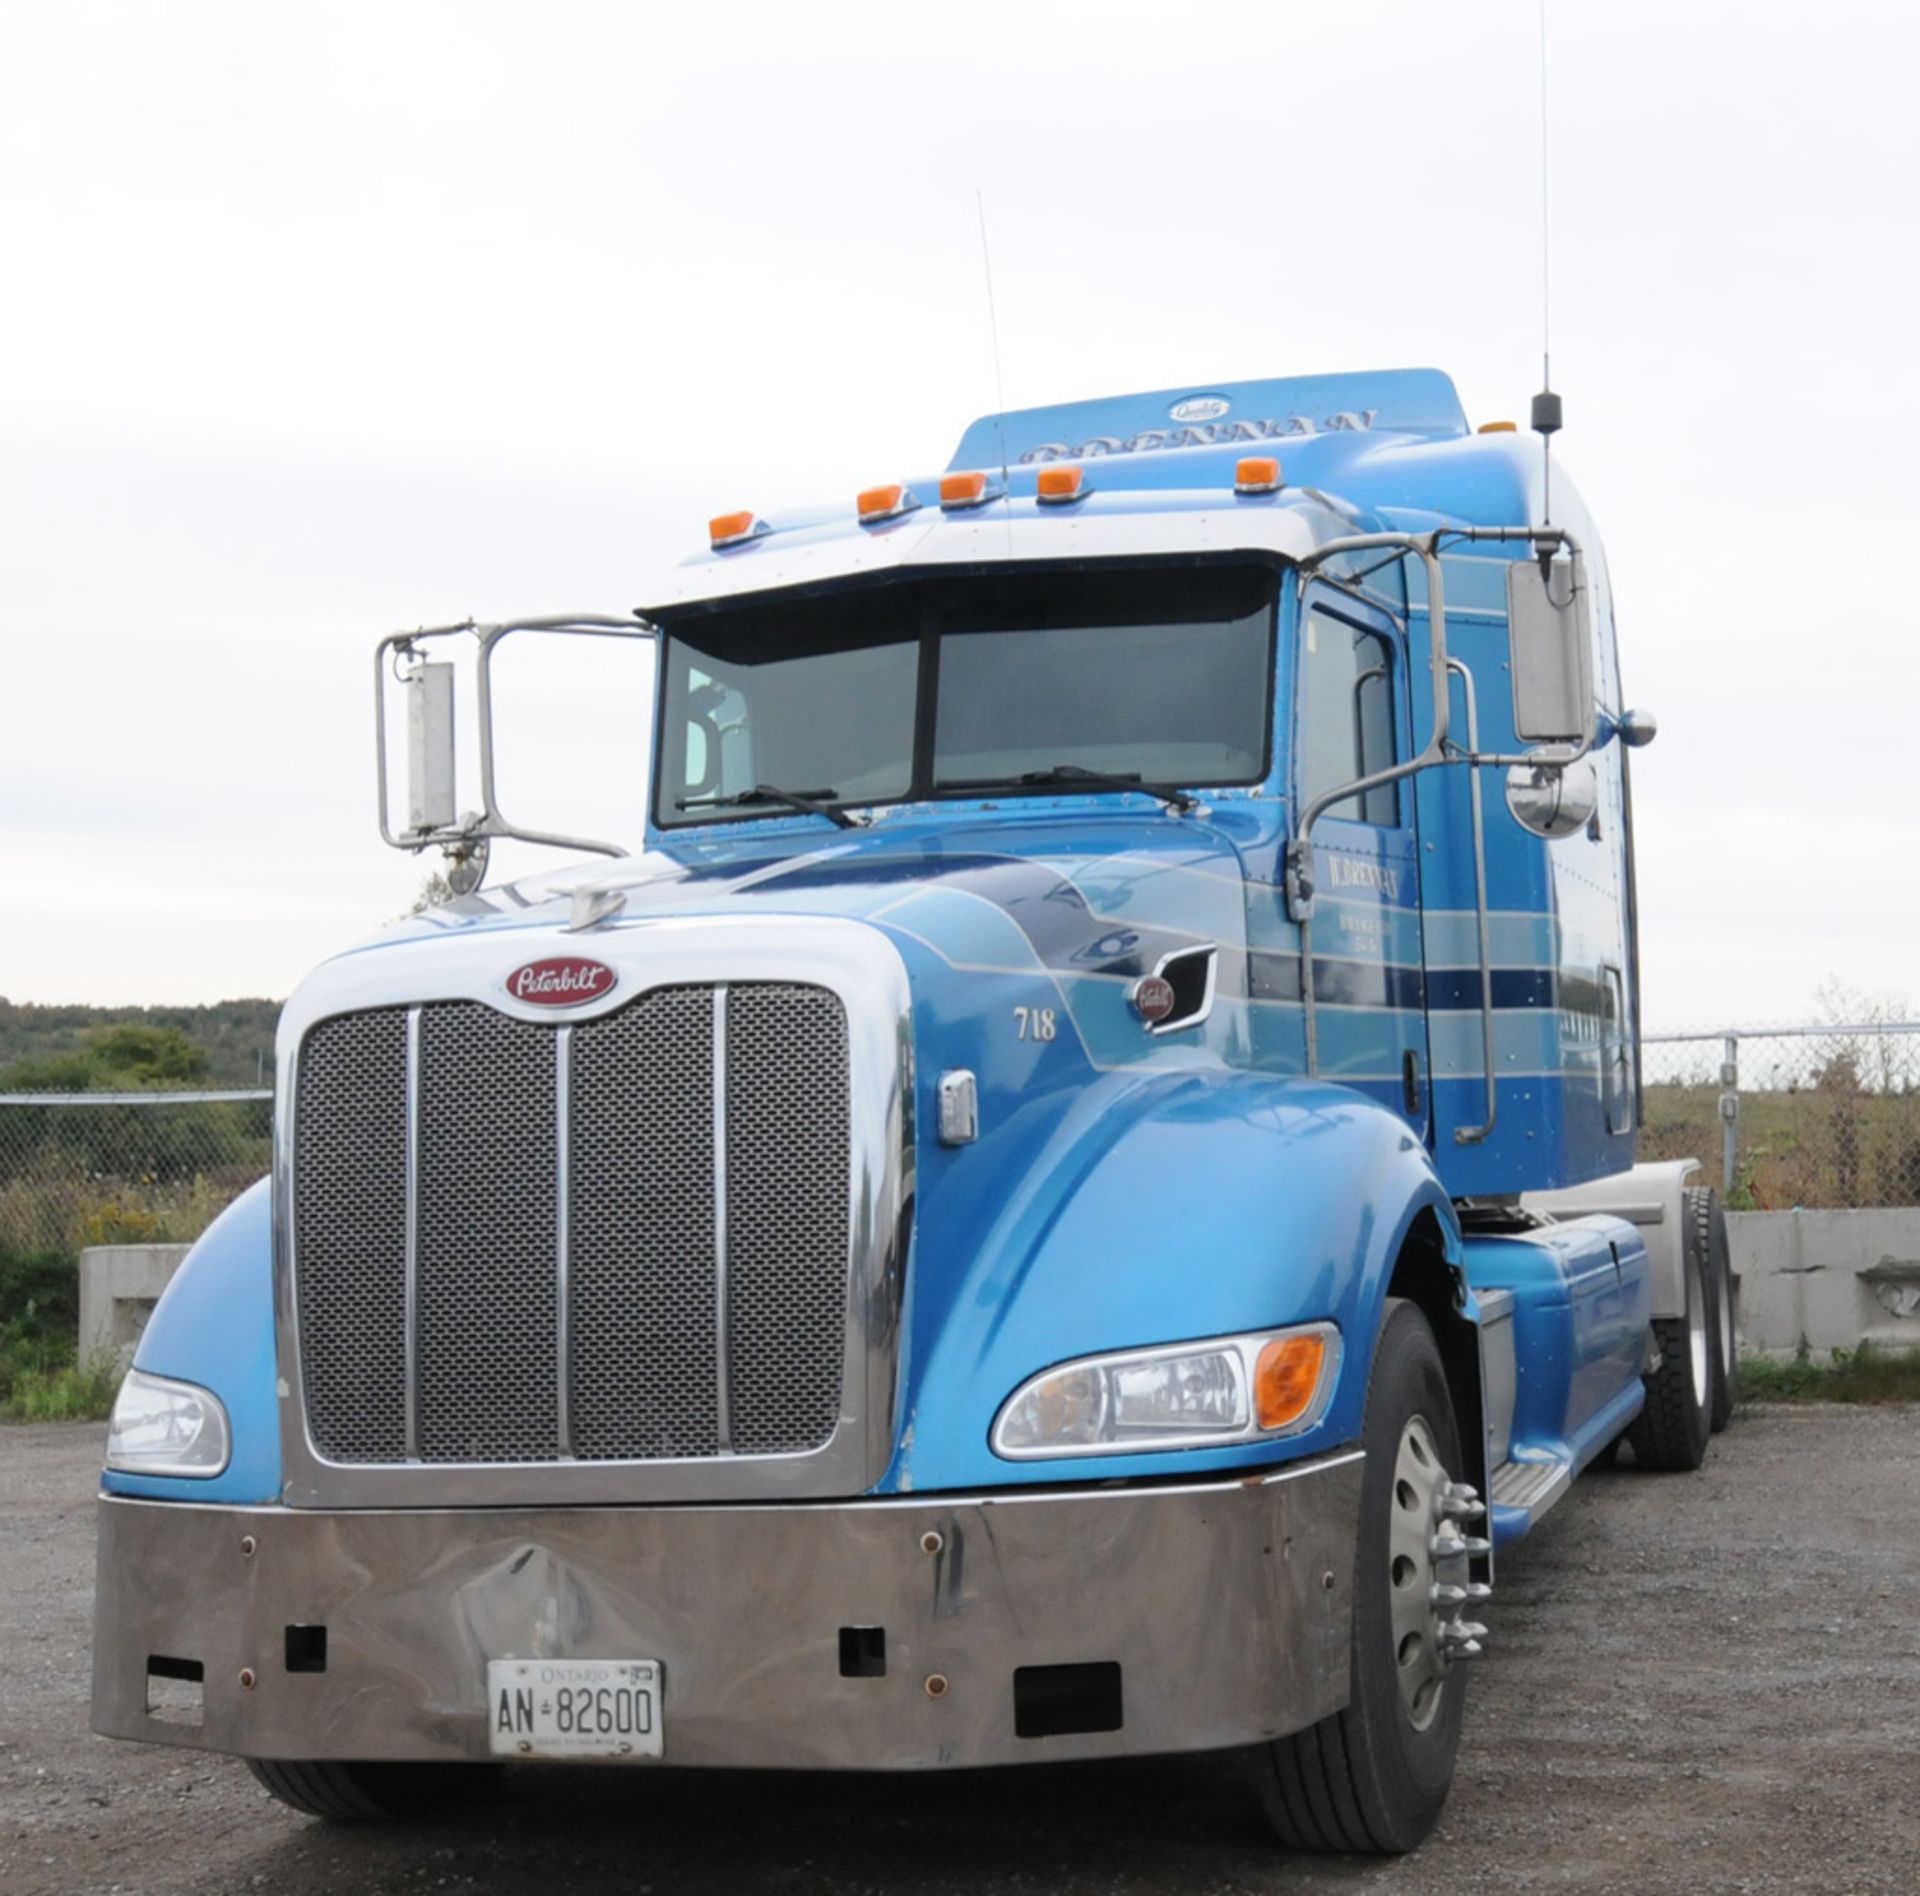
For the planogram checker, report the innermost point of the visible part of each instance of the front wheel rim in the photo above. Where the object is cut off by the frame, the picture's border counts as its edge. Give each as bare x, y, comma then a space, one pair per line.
1416, 1575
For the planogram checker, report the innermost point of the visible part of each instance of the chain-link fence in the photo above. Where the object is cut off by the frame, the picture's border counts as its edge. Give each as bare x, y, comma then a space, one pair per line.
124, 1168
1782, 1116
1825, 1116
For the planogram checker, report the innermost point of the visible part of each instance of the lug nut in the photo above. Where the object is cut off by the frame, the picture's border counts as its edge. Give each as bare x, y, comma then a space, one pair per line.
1450, 1542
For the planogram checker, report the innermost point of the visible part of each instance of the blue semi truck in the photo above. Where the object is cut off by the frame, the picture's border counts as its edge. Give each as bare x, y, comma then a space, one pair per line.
1067, 1200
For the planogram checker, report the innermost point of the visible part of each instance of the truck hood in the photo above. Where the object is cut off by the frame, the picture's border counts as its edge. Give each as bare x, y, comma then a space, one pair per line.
1067, 897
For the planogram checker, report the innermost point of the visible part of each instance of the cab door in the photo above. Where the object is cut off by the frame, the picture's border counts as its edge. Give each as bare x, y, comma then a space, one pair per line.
1352, 717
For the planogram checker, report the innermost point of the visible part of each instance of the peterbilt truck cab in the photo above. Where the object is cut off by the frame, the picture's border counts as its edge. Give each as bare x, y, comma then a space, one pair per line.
1063, 1196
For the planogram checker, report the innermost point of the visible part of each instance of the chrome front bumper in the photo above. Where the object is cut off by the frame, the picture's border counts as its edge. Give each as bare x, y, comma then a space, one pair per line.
1225, 1605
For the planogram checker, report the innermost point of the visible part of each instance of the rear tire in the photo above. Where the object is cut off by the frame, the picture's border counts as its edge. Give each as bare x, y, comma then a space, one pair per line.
345, 1793
1707, 1232
1374, 1777
1672, 1431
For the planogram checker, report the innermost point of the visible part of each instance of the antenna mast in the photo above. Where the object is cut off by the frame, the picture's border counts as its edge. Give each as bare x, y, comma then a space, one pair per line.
1546, 405
999, 387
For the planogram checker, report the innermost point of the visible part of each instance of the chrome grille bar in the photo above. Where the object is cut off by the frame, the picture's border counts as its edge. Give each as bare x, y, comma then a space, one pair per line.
721, 1354
562, 1175
411, 1345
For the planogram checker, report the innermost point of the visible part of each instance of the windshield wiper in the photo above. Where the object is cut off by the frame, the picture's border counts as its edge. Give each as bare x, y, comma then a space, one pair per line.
1062, 775
811, 802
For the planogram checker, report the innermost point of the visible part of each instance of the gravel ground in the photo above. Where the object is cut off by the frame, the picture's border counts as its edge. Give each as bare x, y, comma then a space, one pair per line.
1707, 1682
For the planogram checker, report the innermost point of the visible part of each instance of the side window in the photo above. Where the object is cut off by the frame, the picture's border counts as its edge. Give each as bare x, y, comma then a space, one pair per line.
1345, 717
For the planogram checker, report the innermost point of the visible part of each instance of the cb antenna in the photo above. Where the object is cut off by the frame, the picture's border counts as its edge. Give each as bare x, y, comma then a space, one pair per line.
1546, 405
999, 387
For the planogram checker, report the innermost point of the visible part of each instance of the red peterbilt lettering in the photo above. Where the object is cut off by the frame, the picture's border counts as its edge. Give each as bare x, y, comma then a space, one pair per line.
561, 981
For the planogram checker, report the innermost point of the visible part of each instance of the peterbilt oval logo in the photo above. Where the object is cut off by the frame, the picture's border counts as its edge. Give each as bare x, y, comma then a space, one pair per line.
561, 981
1153, 998
1199, 408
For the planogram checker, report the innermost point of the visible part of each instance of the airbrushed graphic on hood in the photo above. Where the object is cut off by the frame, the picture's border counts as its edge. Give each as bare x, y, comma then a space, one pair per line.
1111, 913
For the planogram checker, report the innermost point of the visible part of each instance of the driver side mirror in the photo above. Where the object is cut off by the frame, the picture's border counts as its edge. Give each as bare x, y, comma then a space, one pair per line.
1550, 645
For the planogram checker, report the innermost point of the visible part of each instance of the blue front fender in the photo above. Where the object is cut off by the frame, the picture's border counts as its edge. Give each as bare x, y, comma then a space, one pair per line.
1156, 1208
214, 1326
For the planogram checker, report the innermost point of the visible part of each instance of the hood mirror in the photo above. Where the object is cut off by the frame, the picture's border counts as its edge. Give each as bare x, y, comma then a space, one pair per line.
427, 690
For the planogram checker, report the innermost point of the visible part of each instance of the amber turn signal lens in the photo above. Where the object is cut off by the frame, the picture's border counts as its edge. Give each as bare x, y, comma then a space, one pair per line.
881, 503
1496, 427
1060, 483
1256, 474
962, 490
725, 529
1287, 1379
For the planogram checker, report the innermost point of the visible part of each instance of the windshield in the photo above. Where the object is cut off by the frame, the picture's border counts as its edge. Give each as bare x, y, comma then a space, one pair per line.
955, 684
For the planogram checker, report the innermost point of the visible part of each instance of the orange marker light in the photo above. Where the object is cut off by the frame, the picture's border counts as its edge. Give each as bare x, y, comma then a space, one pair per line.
876, 504
1060, 483
1496, 427
729, 529
1256, 474
1286, 1379
962, 490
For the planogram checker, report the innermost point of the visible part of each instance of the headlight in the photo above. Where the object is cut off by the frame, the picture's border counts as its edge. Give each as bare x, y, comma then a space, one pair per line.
161, 1427
1183, 1395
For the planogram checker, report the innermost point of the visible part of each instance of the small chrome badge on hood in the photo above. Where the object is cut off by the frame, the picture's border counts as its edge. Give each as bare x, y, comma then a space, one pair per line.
561, 981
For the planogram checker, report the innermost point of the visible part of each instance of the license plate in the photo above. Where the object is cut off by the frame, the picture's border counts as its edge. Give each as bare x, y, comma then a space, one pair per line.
574, 1708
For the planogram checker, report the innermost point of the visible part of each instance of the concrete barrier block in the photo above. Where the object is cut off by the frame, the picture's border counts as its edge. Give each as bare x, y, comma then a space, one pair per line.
1827, 1278
119, 1285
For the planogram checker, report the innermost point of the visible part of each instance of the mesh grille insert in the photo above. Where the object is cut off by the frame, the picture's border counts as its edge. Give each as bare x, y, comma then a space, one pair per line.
350, 1205
787, 1213
647, 1294
488, 1352
642, 1268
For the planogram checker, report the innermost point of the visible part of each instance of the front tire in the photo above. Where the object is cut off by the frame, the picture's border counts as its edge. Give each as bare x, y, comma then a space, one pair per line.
1374, 1777
346, 1793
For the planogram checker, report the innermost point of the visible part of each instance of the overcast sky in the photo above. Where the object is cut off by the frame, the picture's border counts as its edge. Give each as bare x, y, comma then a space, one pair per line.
322, 320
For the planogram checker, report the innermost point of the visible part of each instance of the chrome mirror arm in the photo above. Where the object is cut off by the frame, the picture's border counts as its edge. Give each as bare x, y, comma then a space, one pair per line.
466, 841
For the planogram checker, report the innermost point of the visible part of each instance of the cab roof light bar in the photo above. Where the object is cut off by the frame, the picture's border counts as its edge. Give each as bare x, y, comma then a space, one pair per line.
960, 491
879, 504
735, 529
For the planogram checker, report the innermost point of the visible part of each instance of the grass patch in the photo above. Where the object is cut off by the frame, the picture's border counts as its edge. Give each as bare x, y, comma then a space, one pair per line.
76, 1392
1862, 1375
39, 1321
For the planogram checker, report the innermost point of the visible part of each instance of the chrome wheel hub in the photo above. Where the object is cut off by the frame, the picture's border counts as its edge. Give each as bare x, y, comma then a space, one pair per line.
1428, 1572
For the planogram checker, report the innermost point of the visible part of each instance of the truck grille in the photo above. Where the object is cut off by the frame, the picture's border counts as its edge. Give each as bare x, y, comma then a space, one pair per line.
626, 1239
